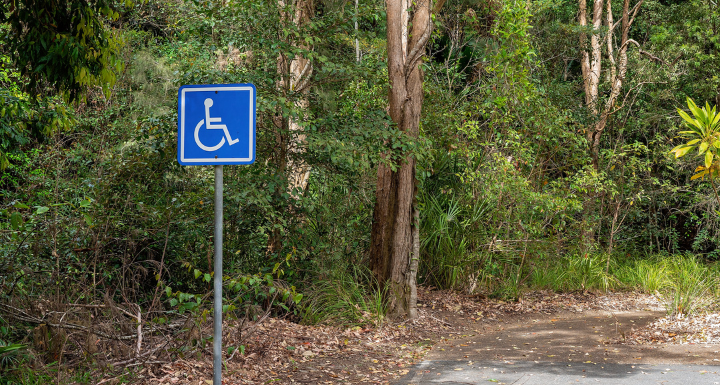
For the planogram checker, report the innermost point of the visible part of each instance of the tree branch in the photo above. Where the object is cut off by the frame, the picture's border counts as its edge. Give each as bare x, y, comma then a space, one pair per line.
418, 50
634, 12
646, 53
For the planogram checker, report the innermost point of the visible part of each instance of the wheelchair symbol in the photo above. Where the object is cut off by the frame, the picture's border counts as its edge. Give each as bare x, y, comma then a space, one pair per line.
208, 122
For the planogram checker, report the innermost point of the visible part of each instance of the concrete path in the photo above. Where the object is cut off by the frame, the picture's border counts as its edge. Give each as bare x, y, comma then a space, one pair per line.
574, 348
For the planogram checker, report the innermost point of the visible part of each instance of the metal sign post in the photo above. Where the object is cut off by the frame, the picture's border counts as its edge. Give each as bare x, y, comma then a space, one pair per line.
217, 280
216, 126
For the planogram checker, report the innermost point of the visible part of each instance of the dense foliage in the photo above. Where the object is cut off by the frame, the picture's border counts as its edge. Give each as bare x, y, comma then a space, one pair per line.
95, 209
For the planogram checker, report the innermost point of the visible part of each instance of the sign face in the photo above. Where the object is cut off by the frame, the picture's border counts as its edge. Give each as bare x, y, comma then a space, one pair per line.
216, 124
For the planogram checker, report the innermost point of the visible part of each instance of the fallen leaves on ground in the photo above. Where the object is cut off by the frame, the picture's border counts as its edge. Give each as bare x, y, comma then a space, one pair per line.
680, 329
284, 352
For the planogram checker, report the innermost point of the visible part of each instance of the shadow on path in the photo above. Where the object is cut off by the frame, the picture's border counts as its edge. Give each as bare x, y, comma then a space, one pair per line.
568, 348
532, 373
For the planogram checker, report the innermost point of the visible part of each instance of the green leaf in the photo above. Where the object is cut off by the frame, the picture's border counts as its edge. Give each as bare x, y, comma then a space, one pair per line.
173, 302
168, 290
703, 148
716, 120
694, 108
207, 277
695, 132
682, 151
708, 159
41, 210
10, 348
197, 273
690, 120
679, 146
16, 220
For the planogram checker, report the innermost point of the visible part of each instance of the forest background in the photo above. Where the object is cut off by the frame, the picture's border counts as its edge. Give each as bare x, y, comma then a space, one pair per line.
543, 159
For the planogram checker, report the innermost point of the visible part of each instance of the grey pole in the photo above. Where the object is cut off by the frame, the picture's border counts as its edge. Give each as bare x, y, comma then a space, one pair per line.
217, 282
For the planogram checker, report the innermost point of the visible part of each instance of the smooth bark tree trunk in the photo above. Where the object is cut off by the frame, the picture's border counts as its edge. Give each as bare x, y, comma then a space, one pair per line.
294, 75
296, 79
591, 65
394, 237
357, 42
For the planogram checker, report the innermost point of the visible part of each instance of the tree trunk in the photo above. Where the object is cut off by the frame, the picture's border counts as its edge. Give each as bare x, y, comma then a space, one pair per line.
294, 75
300, 72
393, 257
591, 65
357, 42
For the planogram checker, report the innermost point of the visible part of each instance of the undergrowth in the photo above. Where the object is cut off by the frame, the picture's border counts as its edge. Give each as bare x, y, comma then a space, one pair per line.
349, 298
684, 283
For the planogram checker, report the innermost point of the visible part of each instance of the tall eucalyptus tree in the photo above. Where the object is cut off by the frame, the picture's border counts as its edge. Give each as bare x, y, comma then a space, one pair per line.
395, 244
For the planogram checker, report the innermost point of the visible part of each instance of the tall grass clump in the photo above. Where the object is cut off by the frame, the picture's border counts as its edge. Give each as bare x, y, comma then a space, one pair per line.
575, 273
648, 275
350, 297
684, 283
692, 285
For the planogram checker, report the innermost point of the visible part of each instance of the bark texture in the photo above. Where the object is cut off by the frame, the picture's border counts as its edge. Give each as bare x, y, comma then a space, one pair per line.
394, 243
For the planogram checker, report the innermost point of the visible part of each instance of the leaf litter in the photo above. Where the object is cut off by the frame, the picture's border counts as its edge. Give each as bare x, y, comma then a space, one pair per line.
283, 352
680, 329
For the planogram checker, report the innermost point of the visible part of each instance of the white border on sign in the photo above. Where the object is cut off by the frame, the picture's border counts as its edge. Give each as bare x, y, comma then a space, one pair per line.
182, 124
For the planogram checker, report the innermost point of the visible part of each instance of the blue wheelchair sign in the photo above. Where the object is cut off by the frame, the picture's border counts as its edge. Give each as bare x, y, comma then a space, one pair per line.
216, 124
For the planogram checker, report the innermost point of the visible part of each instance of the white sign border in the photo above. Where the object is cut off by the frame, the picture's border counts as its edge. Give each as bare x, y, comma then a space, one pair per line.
209, 161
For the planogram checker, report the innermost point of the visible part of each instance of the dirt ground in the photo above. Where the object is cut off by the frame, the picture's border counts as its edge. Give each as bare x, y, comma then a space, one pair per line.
582, 327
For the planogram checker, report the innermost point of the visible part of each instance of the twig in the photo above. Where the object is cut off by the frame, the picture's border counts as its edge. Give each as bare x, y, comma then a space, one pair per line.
146, 354
145, 363
251, 330
648, 54
439, 320
109, 379
139, 331
23, 316
162, 263
232, 355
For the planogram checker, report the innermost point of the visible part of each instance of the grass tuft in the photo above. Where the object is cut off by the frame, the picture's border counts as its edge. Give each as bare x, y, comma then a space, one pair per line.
691, 287
348, 298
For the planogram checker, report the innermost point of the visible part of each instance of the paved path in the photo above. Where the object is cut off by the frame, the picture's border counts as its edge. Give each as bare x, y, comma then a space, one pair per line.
565, 349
